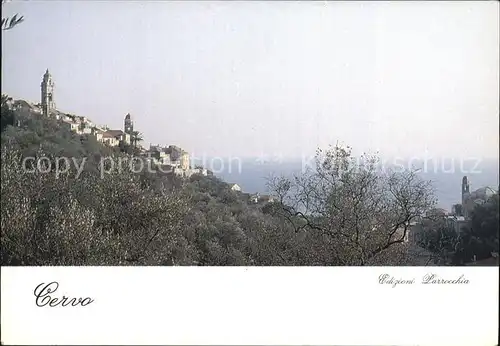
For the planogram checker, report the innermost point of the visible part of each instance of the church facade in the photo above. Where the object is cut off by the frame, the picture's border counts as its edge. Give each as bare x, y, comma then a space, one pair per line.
471, 199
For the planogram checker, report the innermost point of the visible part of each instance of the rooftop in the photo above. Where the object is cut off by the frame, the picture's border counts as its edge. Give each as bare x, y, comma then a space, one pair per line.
115, 133
108, 135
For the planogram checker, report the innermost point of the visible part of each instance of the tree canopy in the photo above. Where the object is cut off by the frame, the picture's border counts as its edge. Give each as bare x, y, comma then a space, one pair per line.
356, 209
124, 218
342, 211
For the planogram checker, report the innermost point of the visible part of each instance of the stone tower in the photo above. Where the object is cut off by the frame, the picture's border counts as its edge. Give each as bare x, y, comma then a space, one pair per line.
128, 125
48, 103
465, 194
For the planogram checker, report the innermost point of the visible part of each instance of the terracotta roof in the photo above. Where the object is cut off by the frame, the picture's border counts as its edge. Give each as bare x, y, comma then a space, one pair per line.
107, 135
115, 133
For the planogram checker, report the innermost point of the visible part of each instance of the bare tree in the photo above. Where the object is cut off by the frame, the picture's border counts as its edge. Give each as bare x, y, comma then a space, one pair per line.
360, 211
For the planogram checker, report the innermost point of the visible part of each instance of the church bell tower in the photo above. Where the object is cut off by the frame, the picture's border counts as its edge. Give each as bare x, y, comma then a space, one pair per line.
128, 125
48, 102
465, 194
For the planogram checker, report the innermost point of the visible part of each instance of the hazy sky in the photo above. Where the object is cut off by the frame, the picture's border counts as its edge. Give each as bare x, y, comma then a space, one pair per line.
274, 78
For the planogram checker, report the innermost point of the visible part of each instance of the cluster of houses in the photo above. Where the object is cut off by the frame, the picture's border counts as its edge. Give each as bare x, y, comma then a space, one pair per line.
77, 124
83, 126
174, 159
170, 156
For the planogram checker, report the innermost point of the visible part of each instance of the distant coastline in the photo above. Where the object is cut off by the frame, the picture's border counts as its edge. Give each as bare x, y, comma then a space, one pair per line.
253, 173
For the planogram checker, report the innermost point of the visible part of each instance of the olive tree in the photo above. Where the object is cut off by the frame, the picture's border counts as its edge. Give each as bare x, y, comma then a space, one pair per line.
352, 210
49, 219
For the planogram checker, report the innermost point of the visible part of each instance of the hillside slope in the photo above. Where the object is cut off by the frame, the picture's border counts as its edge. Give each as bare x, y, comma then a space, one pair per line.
119, 217
125, 216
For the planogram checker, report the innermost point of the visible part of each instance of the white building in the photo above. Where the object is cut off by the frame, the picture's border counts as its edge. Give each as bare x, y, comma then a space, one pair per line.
108, 139
235, 187
456, 221
70, 124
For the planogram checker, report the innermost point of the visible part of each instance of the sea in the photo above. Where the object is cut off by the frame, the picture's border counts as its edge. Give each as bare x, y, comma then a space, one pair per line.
252, 174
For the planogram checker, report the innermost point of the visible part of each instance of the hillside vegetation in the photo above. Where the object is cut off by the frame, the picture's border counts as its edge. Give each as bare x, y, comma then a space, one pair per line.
120, 217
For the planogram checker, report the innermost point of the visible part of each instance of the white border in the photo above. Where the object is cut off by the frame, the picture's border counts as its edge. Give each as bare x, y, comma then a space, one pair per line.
251, 305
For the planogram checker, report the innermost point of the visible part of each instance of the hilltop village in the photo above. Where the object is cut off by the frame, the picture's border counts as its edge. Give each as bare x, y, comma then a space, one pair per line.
172, 156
